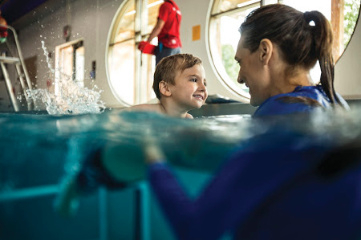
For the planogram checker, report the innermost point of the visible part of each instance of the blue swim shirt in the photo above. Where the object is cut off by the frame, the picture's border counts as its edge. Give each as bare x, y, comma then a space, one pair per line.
276, 105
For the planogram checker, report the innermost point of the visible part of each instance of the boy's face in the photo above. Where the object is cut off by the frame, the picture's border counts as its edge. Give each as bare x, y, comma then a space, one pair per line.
189, 90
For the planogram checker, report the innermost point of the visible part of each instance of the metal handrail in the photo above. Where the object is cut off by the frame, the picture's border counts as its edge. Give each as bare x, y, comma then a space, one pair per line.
20, 54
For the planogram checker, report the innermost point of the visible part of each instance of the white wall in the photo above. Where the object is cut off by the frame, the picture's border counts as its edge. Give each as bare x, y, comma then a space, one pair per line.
91, 20
348, 68
196, 13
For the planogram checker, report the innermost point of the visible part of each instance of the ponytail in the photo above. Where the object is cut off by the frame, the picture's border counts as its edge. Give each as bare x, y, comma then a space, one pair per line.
322, 44
304, 39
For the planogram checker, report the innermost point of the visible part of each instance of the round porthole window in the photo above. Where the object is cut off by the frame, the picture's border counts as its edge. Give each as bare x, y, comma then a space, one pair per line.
227, 15
130, 72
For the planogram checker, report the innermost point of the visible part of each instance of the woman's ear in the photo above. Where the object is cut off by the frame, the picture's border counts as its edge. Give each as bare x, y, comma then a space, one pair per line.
266, 50
164, 89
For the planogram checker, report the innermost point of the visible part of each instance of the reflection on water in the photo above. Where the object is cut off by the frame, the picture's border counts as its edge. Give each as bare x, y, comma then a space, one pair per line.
200, 143
66, 140
39, 150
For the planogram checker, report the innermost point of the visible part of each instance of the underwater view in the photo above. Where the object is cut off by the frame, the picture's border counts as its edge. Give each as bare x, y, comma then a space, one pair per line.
74, 158
39, 151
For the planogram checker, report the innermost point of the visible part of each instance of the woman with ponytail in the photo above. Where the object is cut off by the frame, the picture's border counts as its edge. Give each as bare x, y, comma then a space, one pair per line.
278, 47
283, 183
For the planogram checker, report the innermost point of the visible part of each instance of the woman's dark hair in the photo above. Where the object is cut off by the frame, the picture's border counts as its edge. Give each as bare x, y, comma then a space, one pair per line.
303, 39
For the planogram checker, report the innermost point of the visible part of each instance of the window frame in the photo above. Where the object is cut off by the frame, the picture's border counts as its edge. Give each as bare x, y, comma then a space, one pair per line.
143, 63
216, 58
77, 68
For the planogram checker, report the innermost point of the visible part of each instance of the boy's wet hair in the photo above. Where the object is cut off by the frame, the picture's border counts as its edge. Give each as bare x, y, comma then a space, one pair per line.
168, 67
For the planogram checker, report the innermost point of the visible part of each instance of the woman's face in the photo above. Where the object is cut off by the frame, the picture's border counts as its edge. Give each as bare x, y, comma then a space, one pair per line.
253, 73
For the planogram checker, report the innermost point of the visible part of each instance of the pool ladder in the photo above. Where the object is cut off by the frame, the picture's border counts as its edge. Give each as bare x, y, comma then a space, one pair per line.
21, 71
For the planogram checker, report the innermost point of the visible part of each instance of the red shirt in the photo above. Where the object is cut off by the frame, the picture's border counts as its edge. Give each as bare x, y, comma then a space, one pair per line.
169, 12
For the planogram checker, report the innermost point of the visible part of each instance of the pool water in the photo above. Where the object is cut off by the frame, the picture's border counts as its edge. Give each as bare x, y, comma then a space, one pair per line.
68, 139
201, 144
38, 150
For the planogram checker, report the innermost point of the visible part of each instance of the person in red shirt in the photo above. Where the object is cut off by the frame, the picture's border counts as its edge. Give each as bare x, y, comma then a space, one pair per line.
3, 29
167, 31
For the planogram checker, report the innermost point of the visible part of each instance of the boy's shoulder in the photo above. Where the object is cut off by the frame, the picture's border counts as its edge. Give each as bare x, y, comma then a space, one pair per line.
155, 107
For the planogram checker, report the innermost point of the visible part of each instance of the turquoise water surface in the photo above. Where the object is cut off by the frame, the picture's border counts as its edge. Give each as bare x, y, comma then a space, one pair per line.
38, 150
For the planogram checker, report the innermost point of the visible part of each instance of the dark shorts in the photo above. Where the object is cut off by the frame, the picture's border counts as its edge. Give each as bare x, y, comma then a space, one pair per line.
165, 52
93, 175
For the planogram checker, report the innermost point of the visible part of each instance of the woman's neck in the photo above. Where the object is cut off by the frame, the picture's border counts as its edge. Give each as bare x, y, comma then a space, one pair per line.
287, 81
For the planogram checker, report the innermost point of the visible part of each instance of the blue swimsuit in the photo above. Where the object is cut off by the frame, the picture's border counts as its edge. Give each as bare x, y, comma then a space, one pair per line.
271, 188
276, 106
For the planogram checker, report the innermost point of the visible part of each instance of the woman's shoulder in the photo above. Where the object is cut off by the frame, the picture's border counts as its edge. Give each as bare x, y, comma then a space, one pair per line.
280, 106
302, 99
317, 93
308, 95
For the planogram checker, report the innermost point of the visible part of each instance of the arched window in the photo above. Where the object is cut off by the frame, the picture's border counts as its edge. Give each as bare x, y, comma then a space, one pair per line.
227, 15
129, 71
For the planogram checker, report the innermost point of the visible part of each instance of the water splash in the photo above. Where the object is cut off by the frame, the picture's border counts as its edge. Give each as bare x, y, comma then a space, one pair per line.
46, 54
71, 100
69, 97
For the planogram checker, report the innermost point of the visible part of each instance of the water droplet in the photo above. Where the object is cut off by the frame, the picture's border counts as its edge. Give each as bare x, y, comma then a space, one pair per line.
70, 98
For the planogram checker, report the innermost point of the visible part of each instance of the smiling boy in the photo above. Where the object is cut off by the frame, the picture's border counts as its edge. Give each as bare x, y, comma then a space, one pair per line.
179, 84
